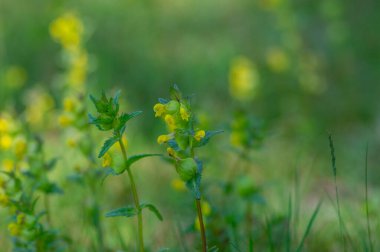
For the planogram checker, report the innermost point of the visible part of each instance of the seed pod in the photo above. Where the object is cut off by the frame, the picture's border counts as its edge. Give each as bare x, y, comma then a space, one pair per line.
172, 107
187, 169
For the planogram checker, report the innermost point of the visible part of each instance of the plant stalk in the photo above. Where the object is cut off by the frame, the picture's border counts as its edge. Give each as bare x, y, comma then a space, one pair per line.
202, 226
136, 200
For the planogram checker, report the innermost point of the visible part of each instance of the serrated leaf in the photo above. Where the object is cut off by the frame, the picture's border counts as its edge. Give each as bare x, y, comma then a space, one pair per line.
128, 211
206, 138
116, 97
107, 145
135, 158
152, 208
123, 119
175, 93
107, 172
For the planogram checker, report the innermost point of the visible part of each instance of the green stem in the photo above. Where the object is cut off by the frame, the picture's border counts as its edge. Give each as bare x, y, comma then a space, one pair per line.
202, 226
135, 198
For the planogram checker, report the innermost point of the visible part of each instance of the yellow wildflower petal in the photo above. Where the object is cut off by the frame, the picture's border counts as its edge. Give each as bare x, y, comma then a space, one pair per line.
206, 208
159, 109
107, 160
199, 135
65, 120
163, 139
185, 115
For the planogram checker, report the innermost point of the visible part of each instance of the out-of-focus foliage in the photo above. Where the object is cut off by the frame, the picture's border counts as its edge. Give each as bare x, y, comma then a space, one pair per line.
273, 74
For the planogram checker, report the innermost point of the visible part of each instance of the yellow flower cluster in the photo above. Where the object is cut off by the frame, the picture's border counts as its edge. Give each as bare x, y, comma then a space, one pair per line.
244, 79
67, 30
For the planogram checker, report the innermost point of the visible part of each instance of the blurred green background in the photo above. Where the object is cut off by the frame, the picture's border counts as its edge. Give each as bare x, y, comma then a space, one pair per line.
313, 68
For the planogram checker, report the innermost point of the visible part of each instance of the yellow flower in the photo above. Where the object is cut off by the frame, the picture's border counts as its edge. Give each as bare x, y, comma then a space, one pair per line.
236, 139
14, 229
20, 147
199, 135
4, 199
170, 121
72, 142
163, 139
5, 141
78, 70
171, 151
178, 185
107, 160
206, 208
159, 109
185, 115
65, 120
277, 60
8, 165
244, 79
21, 218
67, 30
4, 125
69, 104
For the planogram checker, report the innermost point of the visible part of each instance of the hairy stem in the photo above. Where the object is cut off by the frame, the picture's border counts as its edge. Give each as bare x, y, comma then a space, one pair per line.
202, 226
136, 200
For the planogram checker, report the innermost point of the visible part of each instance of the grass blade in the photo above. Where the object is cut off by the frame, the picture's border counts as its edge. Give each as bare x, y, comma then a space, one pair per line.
333, 162
309, 226
366, 200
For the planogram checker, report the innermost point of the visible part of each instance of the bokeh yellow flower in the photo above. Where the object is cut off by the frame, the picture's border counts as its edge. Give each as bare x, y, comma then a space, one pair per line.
4, 125
277, 60
6, 141
244, 79
178, 185
8, 165
14, 229
67, 30
20, 147
4, 199
78, 70
65, 120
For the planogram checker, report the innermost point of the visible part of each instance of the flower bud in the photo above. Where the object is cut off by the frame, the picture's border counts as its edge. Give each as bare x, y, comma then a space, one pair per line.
187, 169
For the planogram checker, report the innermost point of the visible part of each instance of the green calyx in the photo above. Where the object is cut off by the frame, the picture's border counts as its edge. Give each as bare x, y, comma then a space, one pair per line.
186, 168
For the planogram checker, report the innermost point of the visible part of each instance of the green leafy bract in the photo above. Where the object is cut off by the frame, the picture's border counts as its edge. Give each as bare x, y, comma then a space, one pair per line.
107, 145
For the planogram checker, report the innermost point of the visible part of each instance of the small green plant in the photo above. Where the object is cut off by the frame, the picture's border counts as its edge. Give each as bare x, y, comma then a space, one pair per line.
110, 119
22, 187
182, 140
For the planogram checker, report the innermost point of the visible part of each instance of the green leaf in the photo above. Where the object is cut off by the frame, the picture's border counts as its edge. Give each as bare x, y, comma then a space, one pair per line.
107, 172
152, 208
107, 145
175, 93
135, 158
207, 138
128, 211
